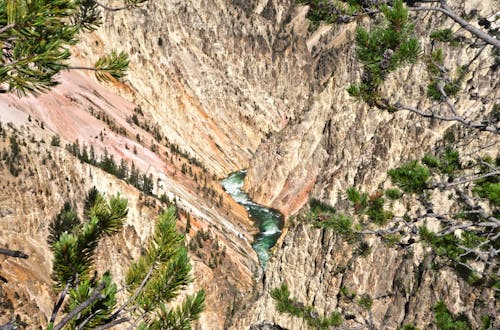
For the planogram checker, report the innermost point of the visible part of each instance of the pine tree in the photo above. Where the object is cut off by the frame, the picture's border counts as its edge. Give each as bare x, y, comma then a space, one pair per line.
35, 36
152, 282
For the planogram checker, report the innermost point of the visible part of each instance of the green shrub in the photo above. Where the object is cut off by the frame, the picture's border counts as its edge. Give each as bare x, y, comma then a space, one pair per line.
364, 249
339, 224
55, 141
365, 302
449, 161
451, 85
319, 207
444, 320
430, 161
443, 35
411, 177
382, 50
286, 304
377, 213
393, 193
490, 191
486, 321
409, 327
358, 199
392, 239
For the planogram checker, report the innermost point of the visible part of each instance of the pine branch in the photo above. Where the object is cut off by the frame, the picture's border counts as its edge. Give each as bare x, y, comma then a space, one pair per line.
112, 323
87, 320
464, 180
96, 295
468, 123
136, 293
7, 27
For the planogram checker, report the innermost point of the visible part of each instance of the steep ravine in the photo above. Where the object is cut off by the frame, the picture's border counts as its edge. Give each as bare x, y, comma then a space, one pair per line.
236, 84
268, 221
198, 55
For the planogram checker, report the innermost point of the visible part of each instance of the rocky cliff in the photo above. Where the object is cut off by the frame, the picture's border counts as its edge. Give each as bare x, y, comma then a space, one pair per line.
226, 74
336, 143
323, 271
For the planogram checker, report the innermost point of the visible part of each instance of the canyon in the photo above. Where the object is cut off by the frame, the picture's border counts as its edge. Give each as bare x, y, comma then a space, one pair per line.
214, 87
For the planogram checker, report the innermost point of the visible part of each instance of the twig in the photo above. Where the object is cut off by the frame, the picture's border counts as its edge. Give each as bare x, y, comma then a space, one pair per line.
112, 323
59, 303
463, 180
136, 293
15, 254
7, 27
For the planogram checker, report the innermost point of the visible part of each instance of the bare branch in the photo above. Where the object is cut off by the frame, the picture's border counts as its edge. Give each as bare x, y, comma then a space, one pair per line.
59, 303
87, 320
464, 180
15, 254
468, 123
103, 6
89, 68
113, 323
7, 27
14, 324
445, 9
139, 319
468, 201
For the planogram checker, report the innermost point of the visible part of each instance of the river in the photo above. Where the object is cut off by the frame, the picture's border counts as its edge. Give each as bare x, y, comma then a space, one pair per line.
269, 221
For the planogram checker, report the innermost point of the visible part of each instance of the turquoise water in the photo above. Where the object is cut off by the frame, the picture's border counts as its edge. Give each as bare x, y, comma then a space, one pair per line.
269, 221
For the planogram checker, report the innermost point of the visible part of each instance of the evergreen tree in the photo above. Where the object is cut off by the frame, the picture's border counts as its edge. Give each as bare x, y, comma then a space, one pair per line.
35, 36
122, 169
88, 299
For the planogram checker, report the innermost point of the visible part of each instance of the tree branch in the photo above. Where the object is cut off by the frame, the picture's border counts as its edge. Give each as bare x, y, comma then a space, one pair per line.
96, 295
15, 254
89, 68
463, 180
445, 9
136, 293
103, 6
7, 27
468, 123
14, 324
59, 303
112, 323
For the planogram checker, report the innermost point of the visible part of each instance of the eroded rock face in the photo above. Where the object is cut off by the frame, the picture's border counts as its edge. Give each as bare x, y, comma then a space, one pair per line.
218, 76
338, 143
323, 271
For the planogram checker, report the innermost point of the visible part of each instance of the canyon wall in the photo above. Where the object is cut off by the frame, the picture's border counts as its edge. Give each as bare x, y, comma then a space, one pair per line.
337, 143
217, 76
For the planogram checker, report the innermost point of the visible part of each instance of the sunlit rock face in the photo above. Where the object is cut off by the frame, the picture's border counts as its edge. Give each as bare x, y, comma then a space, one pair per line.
218, 76
235, 84
336, 143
